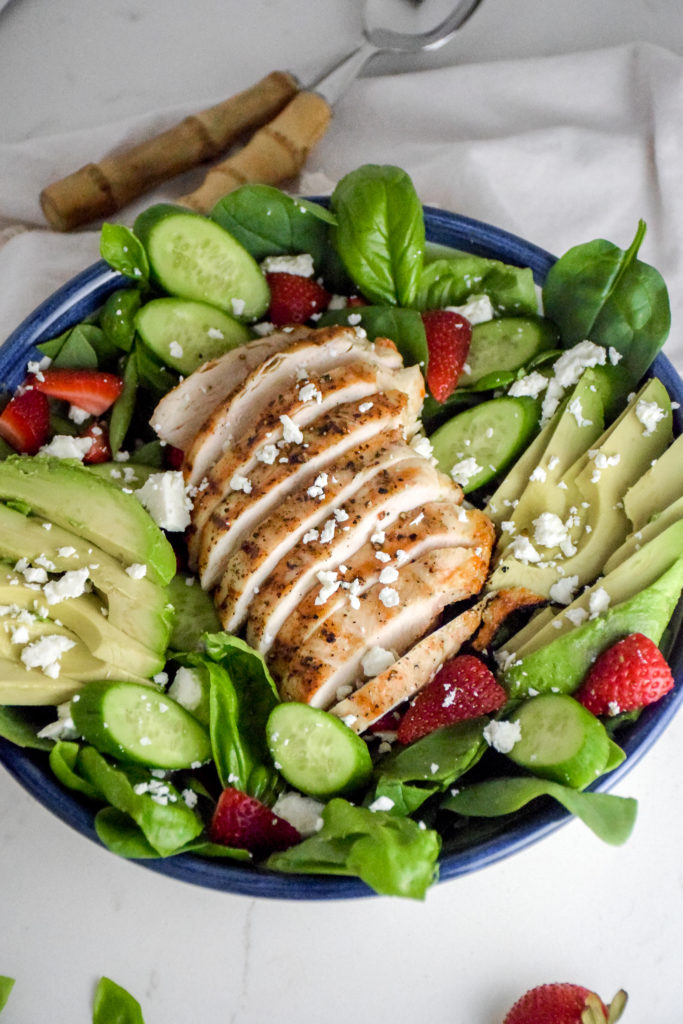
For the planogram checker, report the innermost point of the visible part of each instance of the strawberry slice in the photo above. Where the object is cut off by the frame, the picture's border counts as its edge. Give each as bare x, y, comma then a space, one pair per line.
25, 421
449, 336
463, 688
99, 450
564, 1003
627, 676
244, 822
173, 457
90, 390
294, 299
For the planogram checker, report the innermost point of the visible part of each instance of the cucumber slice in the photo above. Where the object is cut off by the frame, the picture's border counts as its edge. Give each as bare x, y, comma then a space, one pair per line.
137, 723
561, 740
194, 258
478, 444
183, 333
506, 344
316, 752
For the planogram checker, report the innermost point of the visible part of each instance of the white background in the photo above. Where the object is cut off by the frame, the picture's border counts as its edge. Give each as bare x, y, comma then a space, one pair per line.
569, 908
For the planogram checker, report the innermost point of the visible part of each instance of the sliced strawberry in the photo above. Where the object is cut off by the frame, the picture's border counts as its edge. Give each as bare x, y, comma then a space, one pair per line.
247, 824
564, 1003
90, 390
463, 688
173, 457
25, 421
629, 675
99, 450
294, 299
354, 301
448, 342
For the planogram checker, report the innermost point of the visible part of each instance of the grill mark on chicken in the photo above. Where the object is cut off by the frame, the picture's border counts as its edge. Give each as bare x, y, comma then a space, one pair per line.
272, 538
237, 414
332, 656
325, 440
406, 486
443, 524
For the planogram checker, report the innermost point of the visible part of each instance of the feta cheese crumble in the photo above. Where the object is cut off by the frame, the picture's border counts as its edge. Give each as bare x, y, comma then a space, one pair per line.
502, 736
376, 661
165, 498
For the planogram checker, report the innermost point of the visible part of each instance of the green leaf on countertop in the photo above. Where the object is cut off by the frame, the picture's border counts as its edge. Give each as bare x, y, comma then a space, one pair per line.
113, 1005
6, 986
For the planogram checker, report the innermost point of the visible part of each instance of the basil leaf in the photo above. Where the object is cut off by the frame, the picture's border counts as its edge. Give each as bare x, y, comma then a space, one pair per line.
395, 856
403, 326
380, 234
450, 282
242, 695
18, 726
113, 1005
610, 817
6, 986
604, 293
124, 252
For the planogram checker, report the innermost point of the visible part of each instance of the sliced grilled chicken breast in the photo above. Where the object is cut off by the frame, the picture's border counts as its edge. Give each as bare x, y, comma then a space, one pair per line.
409, 674
298, 515
296, 406
377, 504
342, 429
237, 415
439, 524
392, 617
180, 413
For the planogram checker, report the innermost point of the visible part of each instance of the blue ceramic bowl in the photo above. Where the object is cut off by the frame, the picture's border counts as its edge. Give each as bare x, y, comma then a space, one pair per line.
498, 838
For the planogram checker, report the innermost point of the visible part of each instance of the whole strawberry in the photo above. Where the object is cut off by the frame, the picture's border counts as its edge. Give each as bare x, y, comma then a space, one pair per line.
242, 821
448, 342
627, 676
564, 1003
463, 688
294, 299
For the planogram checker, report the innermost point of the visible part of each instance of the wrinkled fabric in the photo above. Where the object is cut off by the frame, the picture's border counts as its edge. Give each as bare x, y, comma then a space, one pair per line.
559, 150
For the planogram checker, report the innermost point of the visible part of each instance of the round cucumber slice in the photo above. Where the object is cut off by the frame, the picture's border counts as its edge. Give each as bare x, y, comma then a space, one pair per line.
184, 333
505, 344
478, 444
561, 740
133, 722
194, 258
315, 752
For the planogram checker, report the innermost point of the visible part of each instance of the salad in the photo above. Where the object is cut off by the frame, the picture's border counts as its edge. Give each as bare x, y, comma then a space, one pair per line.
465, 677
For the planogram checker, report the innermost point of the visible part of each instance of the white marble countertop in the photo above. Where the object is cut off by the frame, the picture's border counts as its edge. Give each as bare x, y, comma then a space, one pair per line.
568, 908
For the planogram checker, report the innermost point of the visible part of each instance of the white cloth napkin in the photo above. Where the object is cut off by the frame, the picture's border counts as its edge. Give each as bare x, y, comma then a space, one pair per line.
559, 150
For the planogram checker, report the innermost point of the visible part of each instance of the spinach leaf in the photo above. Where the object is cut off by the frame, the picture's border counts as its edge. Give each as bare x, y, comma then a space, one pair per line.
380, 233
124, 406
64, 764
604, 293
164, 818
268, 222
124, 252
117, 318
450, 282
113, 1005
395, 856
18, 726
410, 775
403, 326
6, 985
242, 695
76, 348
610, 817
151, 373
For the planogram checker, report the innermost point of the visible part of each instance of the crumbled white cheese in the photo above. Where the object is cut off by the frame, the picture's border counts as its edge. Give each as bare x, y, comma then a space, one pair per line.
46, 653
376, 661
365, 406
309, 536
301, 265
389, 597
523, 550
329, 583
63, 446
549, 530
463, 471
310, 393
478, 309
66, 552
175, 350
70, 585
388, 575
422, 446
137, 570
539, 475
576, 615
267, 454
302, 812
238, 306
186, 688
502, 736
77, 416
317, 488
240, 482
598, 602
576, 410
530, 386
290, 432
563, 591
327, 532
165, 498
382, 803
649, 414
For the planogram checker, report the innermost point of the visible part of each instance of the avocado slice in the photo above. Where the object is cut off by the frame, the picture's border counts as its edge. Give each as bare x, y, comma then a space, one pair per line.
138, 607
559, 663
83, 616
65, 492
29, 687
658, 488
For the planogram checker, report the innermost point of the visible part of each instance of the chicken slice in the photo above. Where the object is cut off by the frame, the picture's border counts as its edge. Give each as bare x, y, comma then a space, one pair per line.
299, 404
392, 617
342, 429
439, 524
409, 485
241, 411
180, 413
298, 515
409, 674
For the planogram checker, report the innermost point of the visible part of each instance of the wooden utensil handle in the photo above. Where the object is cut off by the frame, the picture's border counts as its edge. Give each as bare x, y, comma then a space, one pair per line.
277, 152
97, 190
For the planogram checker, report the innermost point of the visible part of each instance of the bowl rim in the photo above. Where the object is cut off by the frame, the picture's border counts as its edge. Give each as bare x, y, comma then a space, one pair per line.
80, 296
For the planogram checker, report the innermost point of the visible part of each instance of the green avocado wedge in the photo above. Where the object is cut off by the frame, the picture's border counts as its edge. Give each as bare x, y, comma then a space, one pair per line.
63, 491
